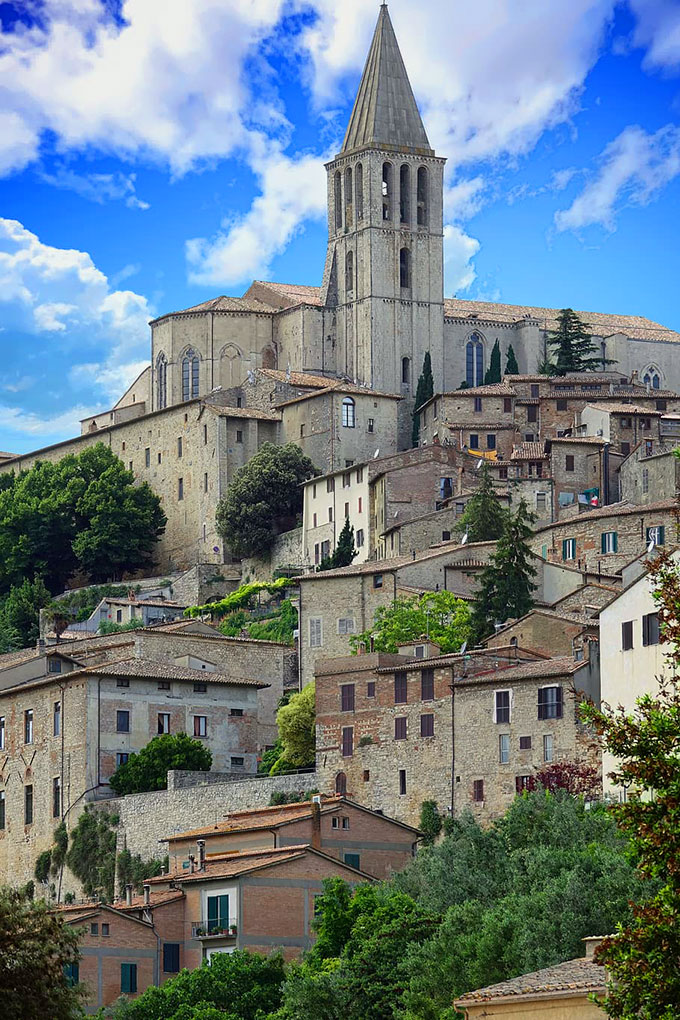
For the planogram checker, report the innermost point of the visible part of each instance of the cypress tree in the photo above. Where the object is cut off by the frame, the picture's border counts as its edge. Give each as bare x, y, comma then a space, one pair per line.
484, 517
493, 372
506, 586
424, 391
575, 349
344, 552
511, 366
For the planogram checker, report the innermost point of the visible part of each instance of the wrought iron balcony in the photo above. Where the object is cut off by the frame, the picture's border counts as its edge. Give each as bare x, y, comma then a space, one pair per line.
211, 928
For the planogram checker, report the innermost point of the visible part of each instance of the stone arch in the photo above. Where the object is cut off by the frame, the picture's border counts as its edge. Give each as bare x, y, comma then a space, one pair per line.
231, 366
341, 784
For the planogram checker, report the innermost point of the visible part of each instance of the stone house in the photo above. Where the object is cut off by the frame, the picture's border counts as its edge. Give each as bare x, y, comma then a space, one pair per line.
115, 609
342, 828
648, 477
623, 425
330, 500
583, 470
548, 632
602, 540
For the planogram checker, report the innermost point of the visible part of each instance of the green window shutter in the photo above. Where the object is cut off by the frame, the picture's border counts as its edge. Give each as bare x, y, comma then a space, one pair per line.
564, 548
616, 541
128, 978
662, 535
353, 860
603, 542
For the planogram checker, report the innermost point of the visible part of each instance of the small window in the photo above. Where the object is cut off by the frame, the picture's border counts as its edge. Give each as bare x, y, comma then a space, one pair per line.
504, 748
2, 810
330, 485
427, 685
478, 791
94, 928
650, 629
56, 797
72, 974
359, 538
569, 462
525, 743
490, 441
625, 449
561, 403
346, 509
180, 489
56, 719
400, 688
569, 549
205, 427
28, 726
105, 929
657, 535
347, 697
163, 685
346, 625
330, 513
370, 689
532, 413
353, 861
522, 783
345, 823
163, 722
200, 687
179, 447
402, 782
627, 635
123, 722
367, 775
474, 441
348, 413
371, 425
335, 822
507, 405
535, 392
400, 728
427, 725
2, 733
171, 957
609, 542
315, 632
341, 782
122, 758
237, 761
200, 725
405, 371
550, 703
236, 712
405, 268
548, 747
502, 706
377, 580
478, 404
28, 805
122, 681
53, 665
128, 975
347, 741
239, 436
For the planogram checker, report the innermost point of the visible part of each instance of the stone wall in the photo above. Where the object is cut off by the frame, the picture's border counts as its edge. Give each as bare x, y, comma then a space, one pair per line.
286, 551
193, 800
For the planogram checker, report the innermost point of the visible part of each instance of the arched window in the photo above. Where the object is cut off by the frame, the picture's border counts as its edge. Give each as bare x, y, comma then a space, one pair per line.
190, 364
422, 189
387, 191
341, 784
338, 200
231, 367
474, 360
404, 268
359, 182
405, 193
349, 196
161, 382
349, 272
652, 377
348, 413
406, 371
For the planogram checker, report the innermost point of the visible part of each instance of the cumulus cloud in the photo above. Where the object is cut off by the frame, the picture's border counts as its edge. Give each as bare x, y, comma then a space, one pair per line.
658, 32
632, 170
49, 428
459, 251
98, 188
59, 292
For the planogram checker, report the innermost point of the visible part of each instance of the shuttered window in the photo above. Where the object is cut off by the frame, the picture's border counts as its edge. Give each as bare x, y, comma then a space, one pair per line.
427, 685
550, 703
347, 741
128, 978
400, 688
347, 698
650, 629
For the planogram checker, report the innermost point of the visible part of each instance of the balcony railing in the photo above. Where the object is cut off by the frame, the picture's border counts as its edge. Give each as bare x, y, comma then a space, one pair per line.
214, 929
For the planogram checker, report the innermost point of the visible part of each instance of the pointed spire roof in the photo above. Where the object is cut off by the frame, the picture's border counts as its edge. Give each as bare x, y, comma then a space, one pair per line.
385, 113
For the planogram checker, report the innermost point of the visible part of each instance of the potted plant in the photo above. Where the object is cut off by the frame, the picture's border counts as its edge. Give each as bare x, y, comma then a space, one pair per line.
233, 929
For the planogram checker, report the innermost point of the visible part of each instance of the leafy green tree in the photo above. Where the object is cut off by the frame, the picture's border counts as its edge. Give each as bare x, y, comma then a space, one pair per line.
148, 769
642, 957
133, 870
505, 585
297, 730
22, 609
9, 635
574, 348
511, 366
484, 518
424, 392
35, 948
493, 372
440, 615
264, 498
430, 822
345, 550
91, 856
233, 986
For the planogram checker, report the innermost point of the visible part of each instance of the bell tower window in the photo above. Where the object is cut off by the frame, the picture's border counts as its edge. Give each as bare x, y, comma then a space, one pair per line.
406, 371
359, 182
161, 382
190, 365
387, 191
404, 268
405, 193
349, 194
474, 361
349, 272
422, 190
338, 200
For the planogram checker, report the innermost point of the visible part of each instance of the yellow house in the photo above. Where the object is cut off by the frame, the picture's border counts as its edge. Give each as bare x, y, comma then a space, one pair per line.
555, 993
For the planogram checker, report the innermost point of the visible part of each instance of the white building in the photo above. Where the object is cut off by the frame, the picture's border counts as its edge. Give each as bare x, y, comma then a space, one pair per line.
329, 500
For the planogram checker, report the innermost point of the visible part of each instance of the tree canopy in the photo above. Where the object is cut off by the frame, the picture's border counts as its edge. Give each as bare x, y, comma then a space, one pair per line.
264, 498
506, 584
296, 721
573, 347
82, 513
148, 769
439, 614
424, 391
483, 518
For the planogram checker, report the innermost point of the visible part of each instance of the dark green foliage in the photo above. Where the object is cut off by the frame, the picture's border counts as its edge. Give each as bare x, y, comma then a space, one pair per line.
42, 866
109, 627
21, 609
344, 552
134, 871
424, 392
484, 518
264, 498
234, 986
445, 618
430, 822
50, 862
83, 512
493, 372
79, 605
574, 348
511, 366
148, 770
35, 947
506, 584
295, 797
92, 854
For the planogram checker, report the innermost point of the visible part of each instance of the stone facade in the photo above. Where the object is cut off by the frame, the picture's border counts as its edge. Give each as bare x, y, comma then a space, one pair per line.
646, 478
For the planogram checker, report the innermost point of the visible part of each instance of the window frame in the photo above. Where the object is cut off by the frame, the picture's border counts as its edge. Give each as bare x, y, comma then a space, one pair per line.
501, 711
550, 709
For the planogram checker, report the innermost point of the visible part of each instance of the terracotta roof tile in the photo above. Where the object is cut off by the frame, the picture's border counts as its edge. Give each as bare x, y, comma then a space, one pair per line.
222, 304
616, 510
615, 407
528, 451
339, 386
224, 411
151, 669
578, 976
298, 378
258, 818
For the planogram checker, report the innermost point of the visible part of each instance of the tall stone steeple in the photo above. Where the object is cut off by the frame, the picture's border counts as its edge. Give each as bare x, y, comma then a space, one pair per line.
384, 267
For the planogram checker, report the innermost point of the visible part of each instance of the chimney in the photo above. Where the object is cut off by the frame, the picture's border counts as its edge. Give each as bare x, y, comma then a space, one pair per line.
147, 895
316, 825
200, 843
592, 942
128, 894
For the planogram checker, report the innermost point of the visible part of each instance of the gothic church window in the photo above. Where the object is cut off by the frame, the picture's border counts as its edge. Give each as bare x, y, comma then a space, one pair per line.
405, 268
161, 382
405, 193
387, 191
422, 190
474, 361
338, 200
190, 365
349, 272
359, 182
348, 413
652, 377
349, 194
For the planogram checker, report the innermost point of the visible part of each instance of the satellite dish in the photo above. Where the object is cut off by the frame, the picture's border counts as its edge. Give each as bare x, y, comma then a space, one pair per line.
480, 462
464, 538
463, 648
376, 454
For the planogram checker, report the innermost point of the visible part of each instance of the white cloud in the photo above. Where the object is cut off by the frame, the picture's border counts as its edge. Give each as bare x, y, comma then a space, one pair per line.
459, 250
98, 188
60, 292
658, 32
50, 429
633, 168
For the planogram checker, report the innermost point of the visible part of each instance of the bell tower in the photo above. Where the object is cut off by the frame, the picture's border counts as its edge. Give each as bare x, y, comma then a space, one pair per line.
384, 266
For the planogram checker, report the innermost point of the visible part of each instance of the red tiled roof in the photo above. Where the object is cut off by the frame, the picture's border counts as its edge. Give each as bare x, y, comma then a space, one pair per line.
577, 976
258, 818
151, 669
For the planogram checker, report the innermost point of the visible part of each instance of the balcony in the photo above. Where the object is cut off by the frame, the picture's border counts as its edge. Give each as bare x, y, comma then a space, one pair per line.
221, 928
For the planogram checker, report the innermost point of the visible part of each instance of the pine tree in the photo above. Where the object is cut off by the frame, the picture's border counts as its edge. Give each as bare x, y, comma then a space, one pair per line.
493, 372
575, 349
344, 552
511, 366
484, 518
424, 391
506, 585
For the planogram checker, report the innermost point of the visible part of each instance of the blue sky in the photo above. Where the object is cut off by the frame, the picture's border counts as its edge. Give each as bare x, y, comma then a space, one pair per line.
155, 153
